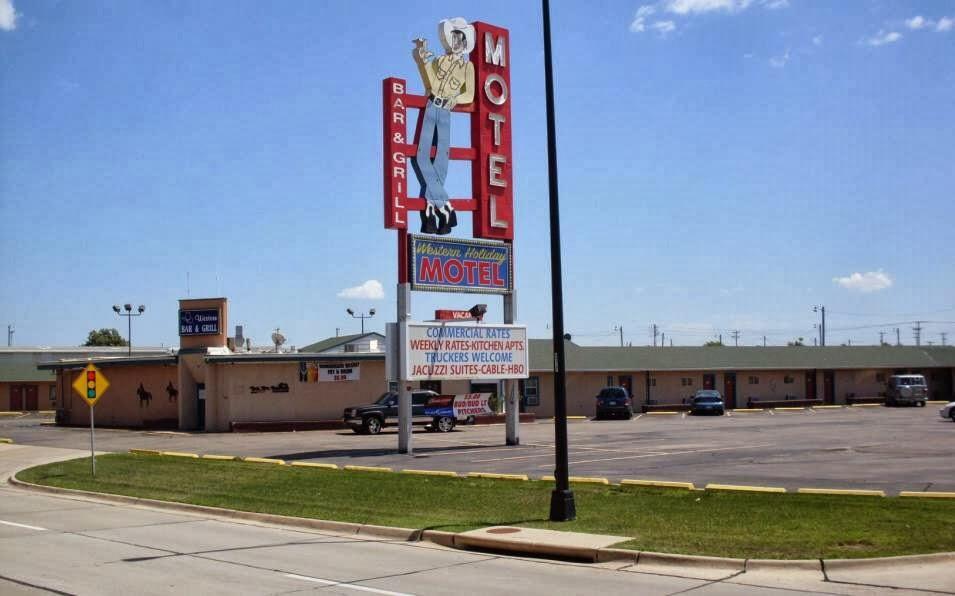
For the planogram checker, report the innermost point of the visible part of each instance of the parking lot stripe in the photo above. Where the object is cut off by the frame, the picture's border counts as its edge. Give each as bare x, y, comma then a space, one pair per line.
590, 461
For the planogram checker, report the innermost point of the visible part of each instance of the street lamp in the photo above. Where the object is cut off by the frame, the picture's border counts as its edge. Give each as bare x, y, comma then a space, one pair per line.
362, 316
129, 314
822, 325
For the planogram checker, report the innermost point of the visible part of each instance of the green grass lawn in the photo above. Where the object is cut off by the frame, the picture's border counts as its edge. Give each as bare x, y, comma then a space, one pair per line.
782, 526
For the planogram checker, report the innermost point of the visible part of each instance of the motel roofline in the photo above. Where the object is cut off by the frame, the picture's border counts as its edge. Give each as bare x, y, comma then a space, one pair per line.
731, 358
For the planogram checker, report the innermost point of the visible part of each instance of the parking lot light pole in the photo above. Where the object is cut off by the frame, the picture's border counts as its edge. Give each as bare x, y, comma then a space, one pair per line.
129, 314
362, 316
562, 506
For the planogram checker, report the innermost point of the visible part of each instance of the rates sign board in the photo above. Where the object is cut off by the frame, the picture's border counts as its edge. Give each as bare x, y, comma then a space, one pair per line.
459, 351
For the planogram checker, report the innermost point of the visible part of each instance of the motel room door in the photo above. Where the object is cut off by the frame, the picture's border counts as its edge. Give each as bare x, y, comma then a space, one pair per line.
31, 397
16, 398
811, 384
729, 390
829, 386
709, 381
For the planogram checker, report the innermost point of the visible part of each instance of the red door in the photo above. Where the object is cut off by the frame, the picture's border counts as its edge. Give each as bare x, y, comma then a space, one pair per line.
729, 390
709, 381
31, 392
829, 386
16, 398
811, 385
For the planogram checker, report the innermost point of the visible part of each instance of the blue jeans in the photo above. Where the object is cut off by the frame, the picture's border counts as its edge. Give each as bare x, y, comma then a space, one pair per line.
435, 131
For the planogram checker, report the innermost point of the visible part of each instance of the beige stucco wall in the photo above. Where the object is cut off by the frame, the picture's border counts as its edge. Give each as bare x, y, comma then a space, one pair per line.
121, 404
230, 387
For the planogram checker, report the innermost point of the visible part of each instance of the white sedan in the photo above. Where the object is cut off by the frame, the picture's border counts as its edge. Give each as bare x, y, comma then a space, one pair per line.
948, 411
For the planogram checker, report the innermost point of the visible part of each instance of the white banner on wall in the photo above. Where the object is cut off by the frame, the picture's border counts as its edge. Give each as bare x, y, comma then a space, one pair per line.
338, 371
461, 351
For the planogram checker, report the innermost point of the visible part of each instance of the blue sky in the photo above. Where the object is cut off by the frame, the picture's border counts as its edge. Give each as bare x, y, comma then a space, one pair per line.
724, 164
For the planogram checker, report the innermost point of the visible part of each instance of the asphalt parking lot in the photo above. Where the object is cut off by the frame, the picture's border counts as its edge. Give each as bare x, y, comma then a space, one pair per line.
891, 449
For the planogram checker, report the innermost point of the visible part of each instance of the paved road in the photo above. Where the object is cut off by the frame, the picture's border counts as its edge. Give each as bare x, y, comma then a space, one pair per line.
891, 449
75, 546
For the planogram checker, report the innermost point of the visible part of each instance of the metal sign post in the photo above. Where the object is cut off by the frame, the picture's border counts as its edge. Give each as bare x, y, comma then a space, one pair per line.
92, 443
91, 385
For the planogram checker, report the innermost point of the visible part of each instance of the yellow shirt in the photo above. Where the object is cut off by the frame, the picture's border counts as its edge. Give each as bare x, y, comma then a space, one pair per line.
449, 77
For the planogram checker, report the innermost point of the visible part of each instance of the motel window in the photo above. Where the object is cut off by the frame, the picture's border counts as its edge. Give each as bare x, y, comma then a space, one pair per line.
686, 381
880, 377
754, 380
532, 392
788, 380
393, 386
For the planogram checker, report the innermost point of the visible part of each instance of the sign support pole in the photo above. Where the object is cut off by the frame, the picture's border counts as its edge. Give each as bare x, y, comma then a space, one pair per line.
92, 444
404, 394
512, 413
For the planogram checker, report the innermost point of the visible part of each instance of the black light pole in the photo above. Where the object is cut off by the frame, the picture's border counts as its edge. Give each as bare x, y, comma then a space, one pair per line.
129, 314
362, 316
562, 507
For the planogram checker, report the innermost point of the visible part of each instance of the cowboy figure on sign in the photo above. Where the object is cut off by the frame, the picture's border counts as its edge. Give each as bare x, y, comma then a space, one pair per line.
449, 81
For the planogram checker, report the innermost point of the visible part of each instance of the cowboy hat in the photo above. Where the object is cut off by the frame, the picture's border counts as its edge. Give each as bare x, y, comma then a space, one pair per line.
446, 26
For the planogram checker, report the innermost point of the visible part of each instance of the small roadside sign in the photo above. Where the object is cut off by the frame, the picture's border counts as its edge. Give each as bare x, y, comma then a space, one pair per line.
91, 384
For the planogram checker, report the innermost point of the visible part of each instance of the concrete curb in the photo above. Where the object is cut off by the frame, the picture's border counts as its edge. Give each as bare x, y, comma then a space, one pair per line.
453, 540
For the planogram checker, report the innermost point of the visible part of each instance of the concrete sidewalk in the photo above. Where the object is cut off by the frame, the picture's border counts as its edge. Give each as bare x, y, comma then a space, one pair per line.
931, 573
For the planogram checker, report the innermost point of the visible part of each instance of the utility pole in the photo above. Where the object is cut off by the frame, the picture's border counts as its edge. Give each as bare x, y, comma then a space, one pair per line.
10, 331
620, 329
663, 339
898, 337
822, 325
735, 335
881, 338
721, 339
655, 333
764, 341
944, 337
918, 332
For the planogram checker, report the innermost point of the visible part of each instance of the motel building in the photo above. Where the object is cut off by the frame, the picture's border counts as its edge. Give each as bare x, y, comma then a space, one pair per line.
209, 384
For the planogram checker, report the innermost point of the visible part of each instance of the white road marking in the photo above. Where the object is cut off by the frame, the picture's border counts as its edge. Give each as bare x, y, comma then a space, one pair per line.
328, 582
772, 413
7, 523
683, 415
638, 417
590, 461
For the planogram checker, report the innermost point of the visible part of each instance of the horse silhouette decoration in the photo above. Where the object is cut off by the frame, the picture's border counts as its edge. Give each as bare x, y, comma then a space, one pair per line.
144, 396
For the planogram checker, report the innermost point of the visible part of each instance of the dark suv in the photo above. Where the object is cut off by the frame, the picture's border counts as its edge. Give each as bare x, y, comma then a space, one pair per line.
613, 402
707, 401
370, 419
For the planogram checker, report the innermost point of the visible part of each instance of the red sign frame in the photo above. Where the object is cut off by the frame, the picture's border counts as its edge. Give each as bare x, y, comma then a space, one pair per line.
491, 157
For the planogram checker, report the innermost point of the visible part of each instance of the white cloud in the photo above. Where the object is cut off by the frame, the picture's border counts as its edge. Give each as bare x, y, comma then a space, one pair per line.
370, 290
917, 22
779, 61
639, 23
686, 8
817, 40
882, 38
871, 281
8, 15
664, 27
945, 24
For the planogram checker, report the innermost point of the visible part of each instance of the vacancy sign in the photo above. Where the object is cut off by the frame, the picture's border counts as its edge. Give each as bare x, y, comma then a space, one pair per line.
459, 351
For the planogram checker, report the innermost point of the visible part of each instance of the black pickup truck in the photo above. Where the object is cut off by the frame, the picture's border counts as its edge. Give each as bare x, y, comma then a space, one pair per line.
369, 419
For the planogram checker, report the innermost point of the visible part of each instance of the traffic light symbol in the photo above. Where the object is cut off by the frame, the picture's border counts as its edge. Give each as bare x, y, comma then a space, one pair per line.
91, 384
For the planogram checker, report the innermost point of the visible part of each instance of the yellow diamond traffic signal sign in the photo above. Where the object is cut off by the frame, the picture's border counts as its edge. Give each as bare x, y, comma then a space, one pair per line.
91, 384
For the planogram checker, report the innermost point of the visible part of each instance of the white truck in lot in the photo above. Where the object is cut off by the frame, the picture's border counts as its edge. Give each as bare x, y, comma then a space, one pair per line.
909, 390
